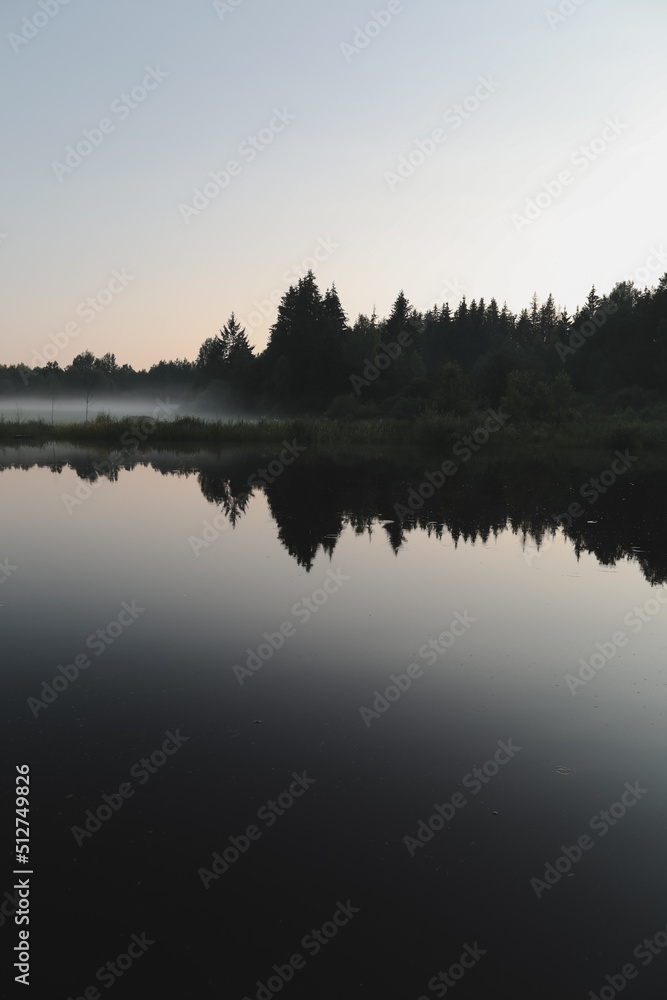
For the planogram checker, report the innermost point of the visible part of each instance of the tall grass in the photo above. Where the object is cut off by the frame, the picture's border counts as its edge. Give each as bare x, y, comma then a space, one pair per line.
627, 430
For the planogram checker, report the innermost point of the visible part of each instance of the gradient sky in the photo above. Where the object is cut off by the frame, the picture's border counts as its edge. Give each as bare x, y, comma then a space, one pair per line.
450, 227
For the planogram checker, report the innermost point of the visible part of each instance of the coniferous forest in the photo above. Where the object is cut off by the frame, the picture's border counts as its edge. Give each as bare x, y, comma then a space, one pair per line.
609, 356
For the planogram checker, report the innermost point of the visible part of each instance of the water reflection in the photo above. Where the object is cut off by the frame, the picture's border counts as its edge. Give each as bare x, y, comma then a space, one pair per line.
472, 549
314, 499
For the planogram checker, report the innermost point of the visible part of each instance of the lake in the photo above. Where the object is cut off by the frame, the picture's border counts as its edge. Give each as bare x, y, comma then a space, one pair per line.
324, 726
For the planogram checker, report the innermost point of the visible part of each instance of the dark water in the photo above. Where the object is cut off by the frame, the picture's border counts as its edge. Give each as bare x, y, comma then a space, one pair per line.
481, 567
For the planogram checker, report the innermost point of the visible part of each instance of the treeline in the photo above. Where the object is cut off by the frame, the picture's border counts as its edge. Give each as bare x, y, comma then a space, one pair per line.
612, 353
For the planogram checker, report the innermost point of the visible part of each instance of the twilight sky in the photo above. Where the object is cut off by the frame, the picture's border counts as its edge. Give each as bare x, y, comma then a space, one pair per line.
405, 154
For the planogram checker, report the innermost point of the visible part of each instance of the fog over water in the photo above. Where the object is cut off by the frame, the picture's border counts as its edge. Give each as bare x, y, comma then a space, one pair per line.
72, 408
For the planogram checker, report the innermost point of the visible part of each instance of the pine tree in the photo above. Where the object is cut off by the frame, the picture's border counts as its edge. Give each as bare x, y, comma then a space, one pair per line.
548, 320
240, 358
296, 335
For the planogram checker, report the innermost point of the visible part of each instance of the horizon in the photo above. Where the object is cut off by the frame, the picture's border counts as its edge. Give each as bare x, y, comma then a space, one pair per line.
60, 341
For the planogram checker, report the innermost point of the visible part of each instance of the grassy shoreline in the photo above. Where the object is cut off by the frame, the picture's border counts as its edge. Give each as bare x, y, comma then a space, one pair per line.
574, 433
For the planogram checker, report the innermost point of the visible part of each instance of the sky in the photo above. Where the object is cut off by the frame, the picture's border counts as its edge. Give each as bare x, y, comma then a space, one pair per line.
483, 148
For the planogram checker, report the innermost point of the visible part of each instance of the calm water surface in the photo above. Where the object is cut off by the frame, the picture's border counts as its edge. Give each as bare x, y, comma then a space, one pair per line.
172, 581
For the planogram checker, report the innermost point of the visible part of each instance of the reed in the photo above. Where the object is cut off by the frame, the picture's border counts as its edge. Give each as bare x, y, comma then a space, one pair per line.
626, 430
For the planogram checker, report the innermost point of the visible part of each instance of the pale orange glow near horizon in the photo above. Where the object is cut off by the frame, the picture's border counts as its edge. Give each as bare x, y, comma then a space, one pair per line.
414, 180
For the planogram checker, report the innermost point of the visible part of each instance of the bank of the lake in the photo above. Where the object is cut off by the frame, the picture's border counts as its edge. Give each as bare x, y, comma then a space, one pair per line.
493, 430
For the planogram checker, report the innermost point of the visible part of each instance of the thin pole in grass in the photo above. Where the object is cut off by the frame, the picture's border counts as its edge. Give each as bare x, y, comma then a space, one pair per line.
89, 396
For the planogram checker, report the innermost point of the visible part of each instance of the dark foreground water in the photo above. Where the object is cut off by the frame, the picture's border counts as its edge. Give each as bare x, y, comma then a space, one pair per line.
298, 740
